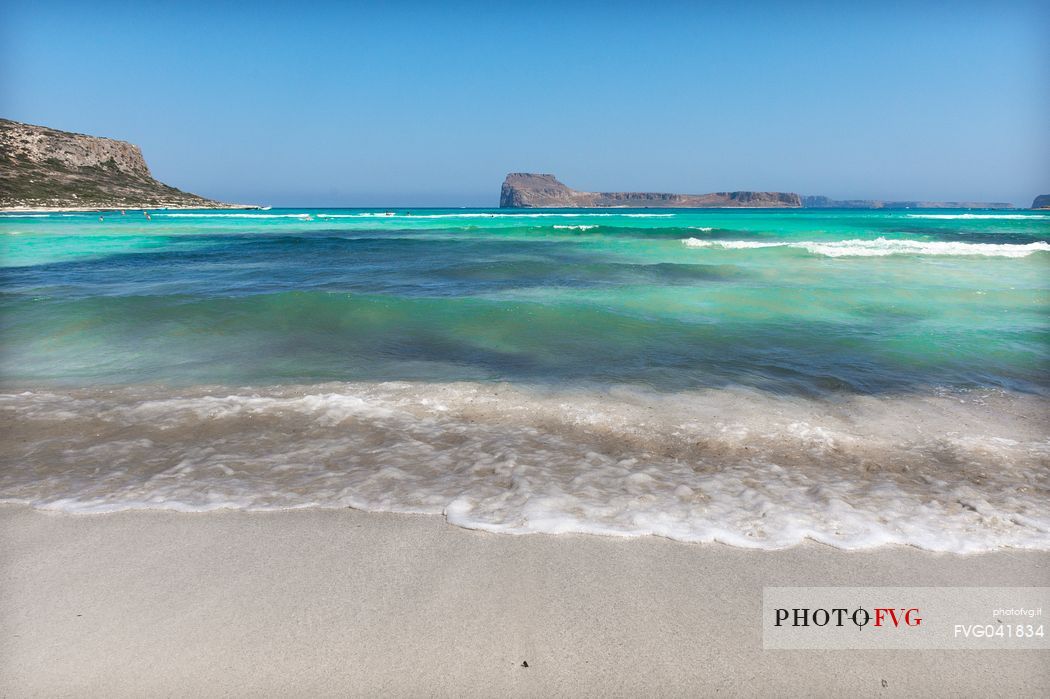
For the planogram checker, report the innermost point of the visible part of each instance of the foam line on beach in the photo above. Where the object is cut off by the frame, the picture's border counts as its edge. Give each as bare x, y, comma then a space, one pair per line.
959, 473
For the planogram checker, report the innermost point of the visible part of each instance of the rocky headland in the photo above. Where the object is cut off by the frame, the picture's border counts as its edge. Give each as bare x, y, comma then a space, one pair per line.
42, 168
1041, 202
529, 190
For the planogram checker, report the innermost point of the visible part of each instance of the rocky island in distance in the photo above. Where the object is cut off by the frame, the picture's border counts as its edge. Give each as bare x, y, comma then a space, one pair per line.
821, 202
44, 168
532, 190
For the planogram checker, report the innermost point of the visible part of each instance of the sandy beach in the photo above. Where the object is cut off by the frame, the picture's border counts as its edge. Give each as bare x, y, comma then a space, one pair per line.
323, 602
687, 350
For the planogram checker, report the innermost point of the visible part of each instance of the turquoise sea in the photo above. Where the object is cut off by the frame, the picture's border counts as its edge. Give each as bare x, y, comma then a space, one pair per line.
750, 376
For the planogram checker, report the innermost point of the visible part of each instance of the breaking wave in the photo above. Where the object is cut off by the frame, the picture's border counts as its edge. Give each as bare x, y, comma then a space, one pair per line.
956, 472
879, 247
1005, 217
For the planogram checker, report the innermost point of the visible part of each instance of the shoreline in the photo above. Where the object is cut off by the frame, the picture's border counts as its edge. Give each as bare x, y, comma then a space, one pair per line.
103, 209
258, 207
733, 466
324, 601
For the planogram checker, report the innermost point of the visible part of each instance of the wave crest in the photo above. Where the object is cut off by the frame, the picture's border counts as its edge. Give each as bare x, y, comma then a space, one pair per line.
979, 217
879, 247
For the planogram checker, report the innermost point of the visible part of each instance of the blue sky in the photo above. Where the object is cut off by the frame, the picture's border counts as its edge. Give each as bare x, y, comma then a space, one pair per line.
432, 103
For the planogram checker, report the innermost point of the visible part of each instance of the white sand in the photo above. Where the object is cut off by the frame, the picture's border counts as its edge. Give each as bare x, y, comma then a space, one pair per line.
300, 603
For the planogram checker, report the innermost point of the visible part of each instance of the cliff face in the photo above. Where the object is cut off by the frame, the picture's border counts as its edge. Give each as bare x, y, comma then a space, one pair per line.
42, 167
522, 190
1041, 202
529, 190
818, 202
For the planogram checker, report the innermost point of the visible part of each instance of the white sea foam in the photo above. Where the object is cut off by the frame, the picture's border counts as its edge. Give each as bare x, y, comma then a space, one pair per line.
303, 217
880, 247
586, 214
576, 228
735, 244
8, 215
952, 473
392, 214
359, 215
1005, 217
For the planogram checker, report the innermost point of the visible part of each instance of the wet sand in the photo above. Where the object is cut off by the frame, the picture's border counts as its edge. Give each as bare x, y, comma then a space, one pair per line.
327, 602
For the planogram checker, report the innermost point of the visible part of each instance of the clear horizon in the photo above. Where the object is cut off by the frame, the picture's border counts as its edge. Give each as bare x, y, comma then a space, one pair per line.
410, 104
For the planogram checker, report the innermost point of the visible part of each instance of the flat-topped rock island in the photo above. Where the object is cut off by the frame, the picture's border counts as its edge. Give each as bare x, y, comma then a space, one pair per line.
531, 190
528, 190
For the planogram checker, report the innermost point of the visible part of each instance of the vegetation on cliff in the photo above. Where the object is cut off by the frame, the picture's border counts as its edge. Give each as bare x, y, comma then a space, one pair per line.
47, 168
